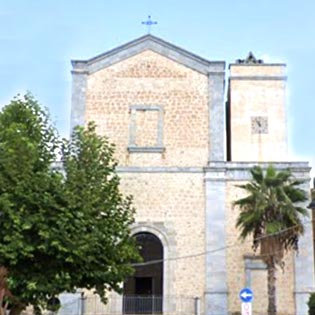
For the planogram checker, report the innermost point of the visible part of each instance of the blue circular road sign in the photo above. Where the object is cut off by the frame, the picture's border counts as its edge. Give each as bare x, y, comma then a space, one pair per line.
246, 295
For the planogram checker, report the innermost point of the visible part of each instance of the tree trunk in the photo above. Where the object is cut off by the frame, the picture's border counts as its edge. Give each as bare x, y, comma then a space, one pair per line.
17, 309
272, 307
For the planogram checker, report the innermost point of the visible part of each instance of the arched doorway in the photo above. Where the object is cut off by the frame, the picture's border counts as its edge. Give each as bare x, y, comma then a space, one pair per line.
143, 292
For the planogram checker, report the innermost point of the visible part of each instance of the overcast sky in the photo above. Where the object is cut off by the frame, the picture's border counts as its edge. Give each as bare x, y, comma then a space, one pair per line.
40, 37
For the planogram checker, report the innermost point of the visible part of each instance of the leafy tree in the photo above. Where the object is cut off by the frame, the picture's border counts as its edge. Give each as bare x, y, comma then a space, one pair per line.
61, 228
270, 214
100, 216
311, 304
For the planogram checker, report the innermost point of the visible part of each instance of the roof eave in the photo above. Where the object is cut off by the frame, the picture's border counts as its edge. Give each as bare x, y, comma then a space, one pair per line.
145, 43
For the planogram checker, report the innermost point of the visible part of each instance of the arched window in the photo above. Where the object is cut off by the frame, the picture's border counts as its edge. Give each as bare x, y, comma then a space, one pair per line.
143, 292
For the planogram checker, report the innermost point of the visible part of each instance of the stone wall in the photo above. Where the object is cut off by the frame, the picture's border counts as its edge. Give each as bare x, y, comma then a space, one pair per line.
172, 204
258, 113
155, 107
163, 107
236, 255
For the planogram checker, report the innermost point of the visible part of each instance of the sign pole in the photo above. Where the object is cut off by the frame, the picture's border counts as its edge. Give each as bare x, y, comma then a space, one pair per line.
246, 308
246, 295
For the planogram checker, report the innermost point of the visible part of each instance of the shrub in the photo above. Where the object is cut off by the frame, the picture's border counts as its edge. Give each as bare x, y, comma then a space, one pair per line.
311, 304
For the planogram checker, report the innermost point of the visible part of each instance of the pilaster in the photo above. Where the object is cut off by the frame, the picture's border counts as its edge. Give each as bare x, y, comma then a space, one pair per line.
304, 265
216, 294
216, 116
71, 303
79, 82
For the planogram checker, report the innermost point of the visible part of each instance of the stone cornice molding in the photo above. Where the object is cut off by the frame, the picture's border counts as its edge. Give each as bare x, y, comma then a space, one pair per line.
258, 77
257, 65
240, 171
148, 42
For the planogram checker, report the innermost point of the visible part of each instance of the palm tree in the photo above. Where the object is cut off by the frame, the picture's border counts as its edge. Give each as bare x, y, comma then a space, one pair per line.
270, 215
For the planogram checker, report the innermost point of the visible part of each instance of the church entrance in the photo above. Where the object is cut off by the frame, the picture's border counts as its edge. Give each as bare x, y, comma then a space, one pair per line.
143, 292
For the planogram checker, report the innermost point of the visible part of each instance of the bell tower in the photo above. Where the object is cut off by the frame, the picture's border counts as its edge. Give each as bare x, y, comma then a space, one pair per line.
256, 122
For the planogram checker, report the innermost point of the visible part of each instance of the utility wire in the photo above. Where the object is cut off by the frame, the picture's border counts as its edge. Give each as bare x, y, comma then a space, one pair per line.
235, 244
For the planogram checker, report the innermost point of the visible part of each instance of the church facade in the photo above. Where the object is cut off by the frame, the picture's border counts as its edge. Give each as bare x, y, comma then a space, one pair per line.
187, 131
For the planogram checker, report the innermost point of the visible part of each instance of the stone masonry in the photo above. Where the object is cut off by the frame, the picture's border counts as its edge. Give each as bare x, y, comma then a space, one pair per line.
181, 152
181, 94
257, 112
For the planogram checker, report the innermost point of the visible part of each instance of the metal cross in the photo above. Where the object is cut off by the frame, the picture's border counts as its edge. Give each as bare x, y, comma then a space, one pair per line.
149, 23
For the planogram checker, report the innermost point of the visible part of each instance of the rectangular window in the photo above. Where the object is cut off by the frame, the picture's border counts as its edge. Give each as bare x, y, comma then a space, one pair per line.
146, 128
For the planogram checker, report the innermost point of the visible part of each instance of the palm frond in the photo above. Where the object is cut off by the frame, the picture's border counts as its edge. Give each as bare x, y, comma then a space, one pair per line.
269, 212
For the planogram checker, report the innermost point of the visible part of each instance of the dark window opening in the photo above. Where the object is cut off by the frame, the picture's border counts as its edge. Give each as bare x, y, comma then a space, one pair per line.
143, 292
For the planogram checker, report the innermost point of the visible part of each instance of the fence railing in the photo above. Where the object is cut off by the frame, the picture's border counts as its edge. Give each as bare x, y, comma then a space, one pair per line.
132, 305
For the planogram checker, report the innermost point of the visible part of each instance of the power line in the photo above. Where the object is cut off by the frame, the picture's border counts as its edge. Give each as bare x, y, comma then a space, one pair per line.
235, 244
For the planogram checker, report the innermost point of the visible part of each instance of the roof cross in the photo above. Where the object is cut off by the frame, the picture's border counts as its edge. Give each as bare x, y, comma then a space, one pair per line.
149, 23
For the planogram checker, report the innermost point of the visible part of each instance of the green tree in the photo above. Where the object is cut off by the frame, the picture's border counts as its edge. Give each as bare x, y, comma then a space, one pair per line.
61, 228
311, 304
271, 215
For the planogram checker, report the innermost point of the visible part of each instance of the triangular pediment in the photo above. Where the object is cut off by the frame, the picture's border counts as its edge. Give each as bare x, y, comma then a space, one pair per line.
148, 42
